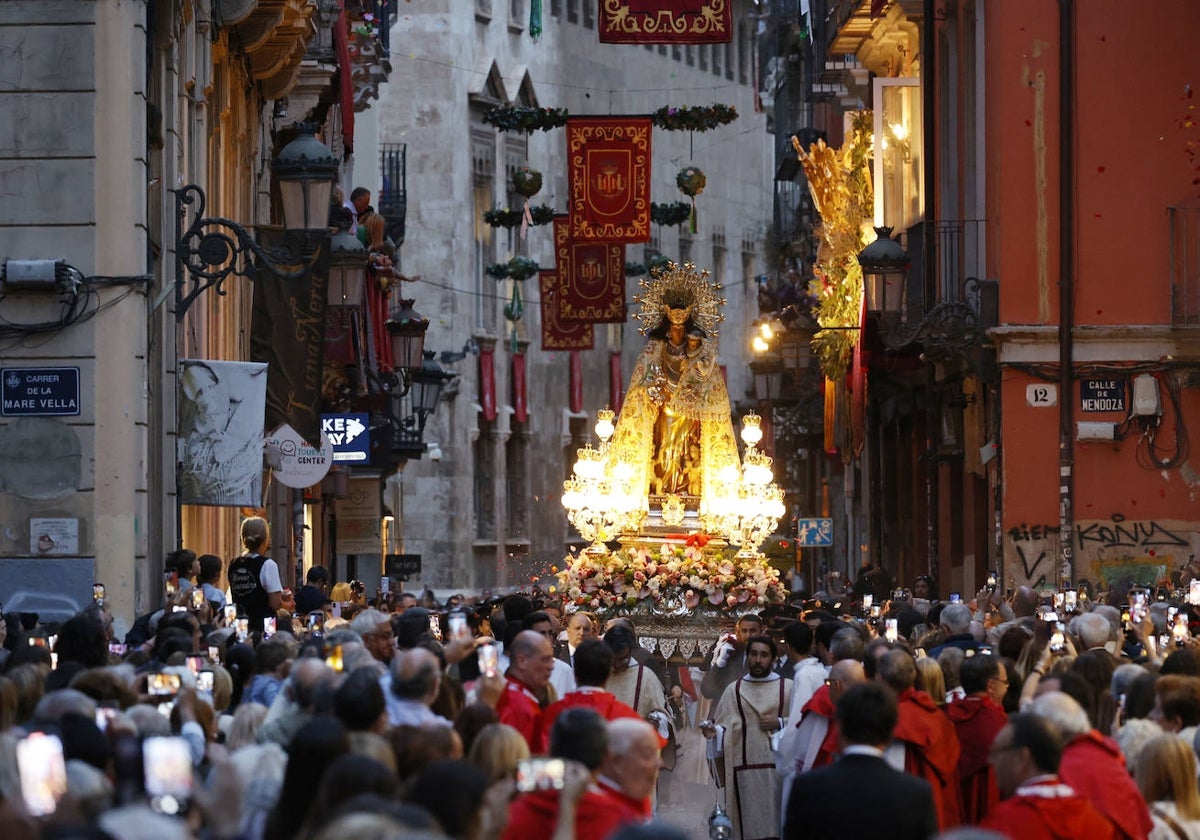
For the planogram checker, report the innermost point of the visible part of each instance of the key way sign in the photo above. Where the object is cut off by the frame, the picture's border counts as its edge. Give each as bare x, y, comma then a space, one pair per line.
350, 436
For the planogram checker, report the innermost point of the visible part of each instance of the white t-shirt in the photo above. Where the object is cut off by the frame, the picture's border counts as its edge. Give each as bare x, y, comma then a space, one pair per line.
268, 576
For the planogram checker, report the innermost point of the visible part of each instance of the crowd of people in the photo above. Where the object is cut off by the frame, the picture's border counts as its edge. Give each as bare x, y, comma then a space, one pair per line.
254, 712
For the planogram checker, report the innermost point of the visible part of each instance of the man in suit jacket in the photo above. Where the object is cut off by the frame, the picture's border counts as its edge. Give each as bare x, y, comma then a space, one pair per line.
829, 803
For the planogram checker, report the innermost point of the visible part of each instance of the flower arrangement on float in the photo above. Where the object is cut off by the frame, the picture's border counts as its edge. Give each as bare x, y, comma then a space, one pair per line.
676, 577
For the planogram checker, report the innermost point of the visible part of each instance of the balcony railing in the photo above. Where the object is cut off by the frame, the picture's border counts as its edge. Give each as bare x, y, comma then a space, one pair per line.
959, 253
393, 193
1185, 264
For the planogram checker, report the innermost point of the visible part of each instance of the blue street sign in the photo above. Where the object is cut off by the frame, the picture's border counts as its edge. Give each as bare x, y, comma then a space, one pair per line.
814, 533
349, 435
39, 392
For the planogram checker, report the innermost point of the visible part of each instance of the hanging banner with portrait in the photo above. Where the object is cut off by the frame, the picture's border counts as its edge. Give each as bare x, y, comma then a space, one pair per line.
591, 278
560, 335
220, 443
666, 21
608, 161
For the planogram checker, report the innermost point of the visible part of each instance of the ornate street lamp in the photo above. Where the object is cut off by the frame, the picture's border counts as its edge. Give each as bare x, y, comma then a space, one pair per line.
347, 270
211, 249
306, 170
407, 329
884, 265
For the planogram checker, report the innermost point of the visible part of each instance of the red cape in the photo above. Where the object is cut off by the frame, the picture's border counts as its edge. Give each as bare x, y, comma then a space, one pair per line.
520, 711
821, 704
607, 706
1094, 766
977, 720
931, 751
535, 815
1036, 818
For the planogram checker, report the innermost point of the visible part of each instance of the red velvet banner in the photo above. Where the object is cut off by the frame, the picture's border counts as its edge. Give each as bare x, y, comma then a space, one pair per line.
576, 395
487, 383
858, 387
558, 335
590, 284
520, 406
666, 21
608, 160
616, 384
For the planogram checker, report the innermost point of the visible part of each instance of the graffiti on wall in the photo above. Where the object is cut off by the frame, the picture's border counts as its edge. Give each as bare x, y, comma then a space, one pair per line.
1030, 553
1142, 551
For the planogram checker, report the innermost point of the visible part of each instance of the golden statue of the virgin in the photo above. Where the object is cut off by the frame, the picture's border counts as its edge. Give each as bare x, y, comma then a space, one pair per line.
674, 434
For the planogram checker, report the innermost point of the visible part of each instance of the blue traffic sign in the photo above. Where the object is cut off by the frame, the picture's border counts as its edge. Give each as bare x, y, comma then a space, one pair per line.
349, 435
814, 533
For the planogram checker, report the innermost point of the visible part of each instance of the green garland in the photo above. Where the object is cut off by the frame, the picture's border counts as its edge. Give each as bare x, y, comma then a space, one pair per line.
528, 120
543, 214
694, 117
672, 214
518, 268
668, 118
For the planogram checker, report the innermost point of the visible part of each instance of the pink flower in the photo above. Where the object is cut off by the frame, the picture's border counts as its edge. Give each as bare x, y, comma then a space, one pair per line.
716, 598
691, 599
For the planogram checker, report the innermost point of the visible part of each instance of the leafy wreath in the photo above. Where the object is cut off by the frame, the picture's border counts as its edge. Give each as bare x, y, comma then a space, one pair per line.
543, 214
694, 117
528, 120
518, 268
687, 118
674, 213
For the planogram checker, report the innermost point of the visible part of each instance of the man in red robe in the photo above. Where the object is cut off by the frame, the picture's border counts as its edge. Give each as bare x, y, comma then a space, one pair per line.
1094, 766
531, 662
630, 769
1038, 806
977, 718
925, 735
817, 733
580, 738
593, 664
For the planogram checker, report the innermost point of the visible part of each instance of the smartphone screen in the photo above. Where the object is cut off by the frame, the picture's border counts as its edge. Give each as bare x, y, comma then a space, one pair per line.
171, 582
230, 615
43, 772
1070, 600
1194, 592
214, 653
268, 627
204, 681
435, 626
540, 774
162, 685
197, 597
315, 622
168, 772
868, 600
489, 659
385, 585
460, 631
117, 649
243, 629
195, 663
891, 629
334, 660
97, 591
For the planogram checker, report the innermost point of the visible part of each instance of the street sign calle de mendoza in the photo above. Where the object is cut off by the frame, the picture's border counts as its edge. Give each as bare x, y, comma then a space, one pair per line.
1102, 394
39, 392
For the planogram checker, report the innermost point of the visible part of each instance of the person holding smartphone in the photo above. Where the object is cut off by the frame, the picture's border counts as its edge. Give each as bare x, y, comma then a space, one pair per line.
207, 580
254, 577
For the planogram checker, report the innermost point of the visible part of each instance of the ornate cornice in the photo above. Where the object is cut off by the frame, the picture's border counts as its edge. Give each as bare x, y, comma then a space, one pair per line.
275, 37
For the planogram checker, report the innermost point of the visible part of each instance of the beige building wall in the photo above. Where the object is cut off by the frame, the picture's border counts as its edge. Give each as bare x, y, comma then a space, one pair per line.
489, 513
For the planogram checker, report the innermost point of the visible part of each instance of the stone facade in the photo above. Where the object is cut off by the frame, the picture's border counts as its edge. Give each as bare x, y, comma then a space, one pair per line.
489, 513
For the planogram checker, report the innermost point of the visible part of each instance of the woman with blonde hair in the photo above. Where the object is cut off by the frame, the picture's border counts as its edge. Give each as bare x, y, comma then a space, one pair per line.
254, 577
1166, 776
497, 750
931, 680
